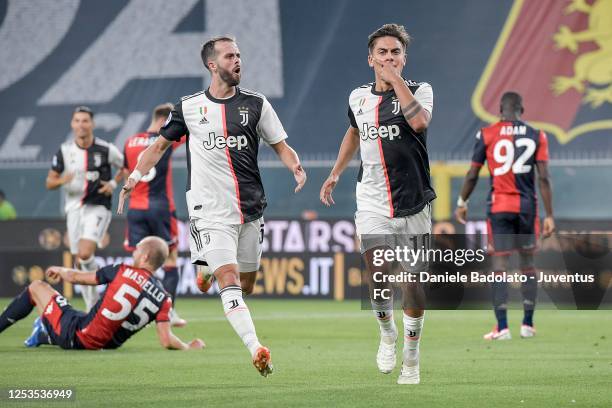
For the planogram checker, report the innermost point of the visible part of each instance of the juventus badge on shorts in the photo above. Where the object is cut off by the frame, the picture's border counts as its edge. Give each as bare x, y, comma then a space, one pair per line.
206, 237
396, 106
244, 116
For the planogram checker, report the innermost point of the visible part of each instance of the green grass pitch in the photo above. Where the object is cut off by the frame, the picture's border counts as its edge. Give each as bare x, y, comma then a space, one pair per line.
324, 355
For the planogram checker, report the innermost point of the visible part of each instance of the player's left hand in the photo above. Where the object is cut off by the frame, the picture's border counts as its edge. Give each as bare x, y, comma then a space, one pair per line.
196, 344
461, 214
107, 187
549, 227
129, 185
300, 177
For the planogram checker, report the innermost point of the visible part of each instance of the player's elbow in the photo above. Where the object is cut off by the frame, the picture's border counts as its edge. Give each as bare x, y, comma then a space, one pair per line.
50, 185
419, 125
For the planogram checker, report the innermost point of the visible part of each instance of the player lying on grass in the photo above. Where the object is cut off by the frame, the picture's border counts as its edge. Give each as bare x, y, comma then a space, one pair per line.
133, 298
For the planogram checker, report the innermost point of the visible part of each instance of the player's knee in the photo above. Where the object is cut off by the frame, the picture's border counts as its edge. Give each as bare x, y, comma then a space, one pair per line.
227, 275
85, 254
526, 261
38, 285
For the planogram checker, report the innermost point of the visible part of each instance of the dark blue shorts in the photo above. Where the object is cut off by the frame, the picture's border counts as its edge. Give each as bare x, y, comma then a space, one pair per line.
157, 222
509, 232
62, 321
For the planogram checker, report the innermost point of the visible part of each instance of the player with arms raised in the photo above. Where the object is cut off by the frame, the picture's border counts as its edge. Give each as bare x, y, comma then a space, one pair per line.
225, 196
513, 151
133, 298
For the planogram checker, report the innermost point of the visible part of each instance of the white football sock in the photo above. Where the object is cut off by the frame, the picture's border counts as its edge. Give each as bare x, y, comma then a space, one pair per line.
90, 293
412, 335
238, 315
384, 316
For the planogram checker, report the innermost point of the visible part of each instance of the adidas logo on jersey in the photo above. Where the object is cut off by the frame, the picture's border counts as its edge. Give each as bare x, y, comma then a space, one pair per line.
220, 142
203, 121
372, 132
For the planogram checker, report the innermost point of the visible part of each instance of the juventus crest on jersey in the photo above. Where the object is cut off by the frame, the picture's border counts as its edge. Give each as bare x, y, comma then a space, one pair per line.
90, 167
224, 184
394, 178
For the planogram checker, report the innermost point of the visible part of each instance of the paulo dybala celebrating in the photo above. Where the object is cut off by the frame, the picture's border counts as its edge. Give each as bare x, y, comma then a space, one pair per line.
388, 123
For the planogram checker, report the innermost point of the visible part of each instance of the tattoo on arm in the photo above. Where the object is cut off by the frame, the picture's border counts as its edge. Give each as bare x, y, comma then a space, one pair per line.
411, 110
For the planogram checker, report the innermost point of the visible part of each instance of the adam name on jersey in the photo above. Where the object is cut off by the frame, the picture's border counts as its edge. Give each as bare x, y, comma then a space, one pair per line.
383, 131
221, 142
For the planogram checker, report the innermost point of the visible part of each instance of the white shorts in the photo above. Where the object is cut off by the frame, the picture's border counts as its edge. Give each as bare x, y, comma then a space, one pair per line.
222, 244
376, 230
88, 222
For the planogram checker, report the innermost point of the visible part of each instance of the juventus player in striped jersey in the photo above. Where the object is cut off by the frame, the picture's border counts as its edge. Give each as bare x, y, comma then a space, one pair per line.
225, 196
388, 123
82, 167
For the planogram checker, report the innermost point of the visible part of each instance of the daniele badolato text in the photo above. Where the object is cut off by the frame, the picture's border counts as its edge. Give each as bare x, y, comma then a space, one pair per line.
477, 277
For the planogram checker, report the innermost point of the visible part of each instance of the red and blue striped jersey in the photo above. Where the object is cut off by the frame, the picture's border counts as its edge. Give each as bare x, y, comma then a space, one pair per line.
155, 187
511, 150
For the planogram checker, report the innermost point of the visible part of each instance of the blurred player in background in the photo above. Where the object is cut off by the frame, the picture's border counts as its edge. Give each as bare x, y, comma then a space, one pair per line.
512, 150
151, 210
388, 121
225, 196
82, 166
134, 297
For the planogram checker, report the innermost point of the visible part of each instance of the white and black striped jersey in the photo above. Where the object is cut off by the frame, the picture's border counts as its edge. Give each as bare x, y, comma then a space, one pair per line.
223, 183
394, 177
90, 166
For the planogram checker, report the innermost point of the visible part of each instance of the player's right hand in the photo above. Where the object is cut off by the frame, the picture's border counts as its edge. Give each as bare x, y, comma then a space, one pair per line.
326, 190
461, 214
196, 344
126, 190
53, 272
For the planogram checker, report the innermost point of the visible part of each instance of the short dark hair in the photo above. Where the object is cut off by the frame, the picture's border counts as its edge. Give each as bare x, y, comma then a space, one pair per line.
390, 30
208, 48
511, 102
162, 111
85, 109
2, 196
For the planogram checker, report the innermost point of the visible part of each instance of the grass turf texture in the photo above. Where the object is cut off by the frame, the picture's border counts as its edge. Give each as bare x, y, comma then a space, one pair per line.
324, 355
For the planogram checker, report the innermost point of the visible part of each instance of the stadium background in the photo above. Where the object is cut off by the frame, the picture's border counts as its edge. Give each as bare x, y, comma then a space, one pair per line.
122, 58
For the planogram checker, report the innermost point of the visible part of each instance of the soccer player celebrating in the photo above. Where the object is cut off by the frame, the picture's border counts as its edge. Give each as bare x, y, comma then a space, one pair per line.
134, 297
82, 167
151, 210
225, 195
512, 150
388, 122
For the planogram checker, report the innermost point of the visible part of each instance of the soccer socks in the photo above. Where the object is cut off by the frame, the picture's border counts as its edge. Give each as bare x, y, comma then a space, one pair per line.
500, 304
412, 336
237, 313
170, 281
90, 293
384, 316
529, 290
19, 308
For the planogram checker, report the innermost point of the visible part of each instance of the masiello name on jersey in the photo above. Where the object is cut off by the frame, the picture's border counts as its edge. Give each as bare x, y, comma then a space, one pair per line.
383, 131
220, 142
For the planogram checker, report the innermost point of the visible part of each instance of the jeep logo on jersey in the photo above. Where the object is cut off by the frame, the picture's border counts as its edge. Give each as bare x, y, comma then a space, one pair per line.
372, 132
220, 142
244, 116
